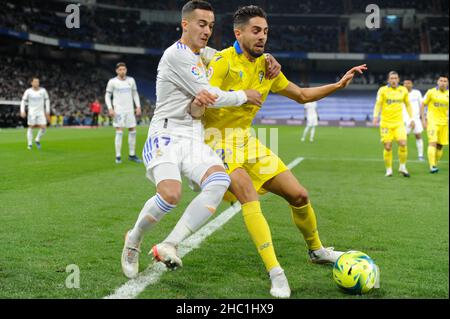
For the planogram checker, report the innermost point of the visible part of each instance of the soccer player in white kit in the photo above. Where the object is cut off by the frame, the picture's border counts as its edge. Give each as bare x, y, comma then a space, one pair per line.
38, 111
312, 120
416, 99
175, 144
124, 92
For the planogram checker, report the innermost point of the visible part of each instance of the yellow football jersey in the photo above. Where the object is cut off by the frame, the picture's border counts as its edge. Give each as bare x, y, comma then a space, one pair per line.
390, 102
437, 102
230, 70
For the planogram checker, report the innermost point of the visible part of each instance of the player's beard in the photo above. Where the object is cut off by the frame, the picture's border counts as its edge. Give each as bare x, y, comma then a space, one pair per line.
253, 53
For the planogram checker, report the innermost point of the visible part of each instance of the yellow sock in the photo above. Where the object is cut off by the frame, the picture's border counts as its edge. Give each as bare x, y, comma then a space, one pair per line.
305, 220
387, 155
402, 154
432, 156
439, 153
260, 232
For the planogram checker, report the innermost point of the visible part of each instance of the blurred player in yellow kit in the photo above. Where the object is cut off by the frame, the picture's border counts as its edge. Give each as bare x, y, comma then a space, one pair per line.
251, 165
390, 101
436, 122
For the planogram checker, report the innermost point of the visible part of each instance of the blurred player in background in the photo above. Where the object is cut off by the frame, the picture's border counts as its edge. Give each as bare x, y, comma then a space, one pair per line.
242, 66
175, 145
436, 122
38, 103
124, 92
312, 120
415, 98
95, 109
390, 101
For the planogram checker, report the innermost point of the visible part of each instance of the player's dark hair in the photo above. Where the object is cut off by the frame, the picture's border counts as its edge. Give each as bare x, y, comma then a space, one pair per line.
34, 77
244, 14
192, 5
443, 76
408, 79
118, 65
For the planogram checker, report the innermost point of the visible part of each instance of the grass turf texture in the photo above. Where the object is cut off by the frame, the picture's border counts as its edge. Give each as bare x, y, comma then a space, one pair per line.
71, 204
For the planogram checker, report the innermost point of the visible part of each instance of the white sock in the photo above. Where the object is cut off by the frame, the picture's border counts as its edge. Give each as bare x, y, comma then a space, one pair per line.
313, 130
118, 143
40, 134
30, 136
132, 142
201, 208
419, 144
402, 167
152, 212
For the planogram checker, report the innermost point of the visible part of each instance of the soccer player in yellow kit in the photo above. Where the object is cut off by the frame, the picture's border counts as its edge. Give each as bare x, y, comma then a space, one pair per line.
252, 166
436, 122
390, 101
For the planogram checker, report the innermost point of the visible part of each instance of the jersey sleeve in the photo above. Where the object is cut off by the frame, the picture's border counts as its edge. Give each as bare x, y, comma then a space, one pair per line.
186, 73
427, 98
379, 102
108, 94
407, 103
47, 102
24, 101
135, 93
279, 83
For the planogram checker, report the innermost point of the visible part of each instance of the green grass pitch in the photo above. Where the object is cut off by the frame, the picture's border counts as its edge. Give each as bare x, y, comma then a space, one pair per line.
71, 204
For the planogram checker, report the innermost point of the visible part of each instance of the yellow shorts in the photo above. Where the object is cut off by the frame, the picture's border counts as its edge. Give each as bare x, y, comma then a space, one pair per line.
393, 133
437, 134
255, 158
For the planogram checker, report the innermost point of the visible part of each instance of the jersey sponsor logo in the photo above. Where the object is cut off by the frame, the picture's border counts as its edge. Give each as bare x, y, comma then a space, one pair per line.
392, 101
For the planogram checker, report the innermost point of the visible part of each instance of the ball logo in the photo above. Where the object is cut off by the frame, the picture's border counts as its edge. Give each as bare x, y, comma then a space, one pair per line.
197, 72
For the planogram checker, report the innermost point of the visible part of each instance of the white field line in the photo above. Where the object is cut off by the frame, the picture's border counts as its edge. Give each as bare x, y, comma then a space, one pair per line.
132, 288
355, 159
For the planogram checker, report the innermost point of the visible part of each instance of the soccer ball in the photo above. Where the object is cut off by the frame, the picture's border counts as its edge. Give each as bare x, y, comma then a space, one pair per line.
355, 273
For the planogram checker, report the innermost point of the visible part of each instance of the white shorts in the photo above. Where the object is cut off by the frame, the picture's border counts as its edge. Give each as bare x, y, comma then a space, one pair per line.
418, 127
124, 120
36, 119
170, 157
312, 122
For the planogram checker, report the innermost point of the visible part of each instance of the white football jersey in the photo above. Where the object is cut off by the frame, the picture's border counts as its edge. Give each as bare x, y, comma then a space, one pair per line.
310, 110
123, 93
415, 98
37, 100
181, 75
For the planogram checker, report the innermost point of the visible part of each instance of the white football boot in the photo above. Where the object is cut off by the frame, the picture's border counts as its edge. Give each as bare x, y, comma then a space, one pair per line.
324, 255
130, 259
167, 254
388, 172
280, 285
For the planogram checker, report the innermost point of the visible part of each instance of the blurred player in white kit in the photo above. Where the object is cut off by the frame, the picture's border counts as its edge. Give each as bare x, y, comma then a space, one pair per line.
175, 144
124, 92
38, 102
312, 120
416, 99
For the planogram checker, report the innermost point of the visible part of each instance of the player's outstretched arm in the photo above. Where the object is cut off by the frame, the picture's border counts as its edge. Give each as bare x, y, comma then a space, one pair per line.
305, 95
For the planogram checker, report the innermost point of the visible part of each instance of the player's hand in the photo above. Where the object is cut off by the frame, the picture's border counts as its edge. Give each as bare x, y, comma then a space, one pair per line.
273, 68
47, 115
23, 115
348, 77
138, 111
424, 124
112, 113
412, 125
253, 97
375, 121
204, 99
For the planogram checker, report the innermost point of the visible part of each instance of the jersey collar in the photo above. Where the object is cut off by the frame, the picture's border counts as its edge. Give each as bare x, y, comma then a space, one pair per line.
237, 47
